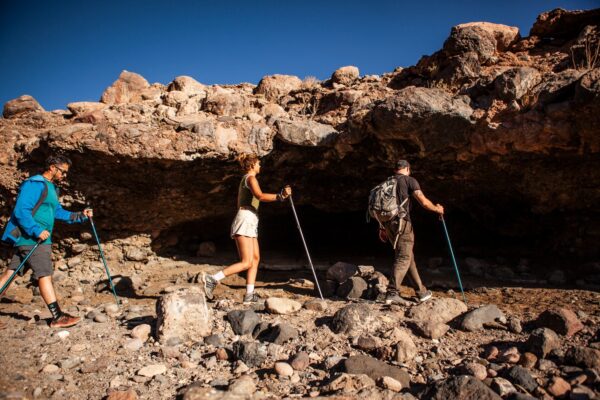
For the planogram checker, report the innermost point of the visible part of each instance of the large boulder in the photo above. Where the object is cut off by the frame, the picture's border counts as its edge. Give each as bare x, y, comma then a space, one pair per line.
476, 319
375, 369
459, 388
20, 105
516, 82
305, 133
183, 315
225, 102
345, 75
542, 341
243, 322
482, 38
275, 86
82, 107
561, 320
560, 23
353, 318
127, 89
431, 118
438, 310
187, 85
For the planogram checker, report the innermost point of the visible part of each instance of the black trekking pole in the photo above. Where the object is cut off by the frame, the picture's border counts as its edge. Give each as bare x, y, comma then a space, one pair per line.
12, 277
104, 261
453, 259
306, 247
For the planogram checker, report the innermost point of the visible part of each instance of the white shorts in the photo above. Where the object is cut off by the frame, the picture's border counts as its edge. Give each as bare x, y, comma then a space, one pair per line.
245, 223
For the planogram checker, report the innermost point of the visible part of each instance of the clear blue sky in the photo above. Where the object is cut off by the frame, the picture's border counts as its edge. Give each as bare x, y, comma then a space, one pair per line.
63, 51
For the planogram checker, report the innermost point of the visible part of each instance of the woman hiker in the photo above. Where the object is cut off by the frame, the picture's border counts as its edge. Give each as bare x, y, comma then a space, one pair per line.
244, 229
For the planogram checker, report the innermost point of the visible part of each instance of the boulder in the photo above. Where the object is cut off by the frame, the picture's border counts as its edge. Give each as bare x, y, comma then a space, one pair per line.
476, 319
561, 320
187, 85
585, 357
280, 305
345, 75
406, 350
82, 107
252, 354
430, 329
353, 288
459, 388
305, 133
440, 310
516, 82
542, 341
560, 23
278, 333
21, 105
341, 271
352, 319
127, 89
484, 39
275, 86
183, 315
375, 369
243, 322
521, 376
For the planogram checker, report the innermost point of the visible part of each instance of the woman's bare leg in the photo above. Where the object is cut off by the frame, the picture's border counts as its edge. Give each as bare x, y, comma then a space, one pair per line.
245, 247
251, 277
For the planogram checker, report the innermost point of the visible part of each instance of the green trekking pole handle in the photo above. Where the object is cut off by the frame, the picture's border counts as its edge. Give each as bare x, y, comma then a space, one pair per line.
453, 259
104, 261
12, 277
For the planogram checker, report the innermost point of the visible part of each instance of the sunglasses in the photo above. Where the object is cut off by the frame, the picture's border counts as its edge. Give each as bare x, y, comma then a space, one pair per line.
62, 171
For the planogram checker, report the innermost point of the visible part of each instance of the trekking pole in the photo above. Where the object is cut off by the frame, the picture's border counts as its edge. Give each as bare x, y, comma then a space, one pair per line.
453, 259
104, 261
306, 247
12, 277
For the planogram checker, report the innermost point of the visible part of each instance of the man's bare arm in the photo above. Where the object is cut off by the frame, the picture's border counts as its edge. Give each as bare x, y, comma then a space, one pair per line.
427, 204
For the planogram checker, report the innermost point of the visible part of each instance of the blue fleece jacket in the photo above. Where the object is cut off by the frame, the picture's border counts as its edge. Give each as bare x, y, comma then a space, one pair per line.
24, 226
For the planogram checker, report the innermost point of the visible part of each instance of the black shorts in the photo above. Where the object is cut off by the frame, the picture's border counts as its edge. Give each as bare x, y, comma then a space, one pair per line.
40, 261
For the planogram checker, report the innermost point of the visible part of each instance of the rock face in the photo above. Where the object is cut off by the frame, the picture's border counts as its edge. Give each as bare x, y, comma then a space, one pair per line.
183, 315
493, 114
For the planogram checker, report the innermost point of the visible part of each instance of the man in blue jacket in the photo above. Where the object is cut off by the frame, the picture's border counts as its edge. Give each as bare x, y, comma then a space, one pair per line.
32, 221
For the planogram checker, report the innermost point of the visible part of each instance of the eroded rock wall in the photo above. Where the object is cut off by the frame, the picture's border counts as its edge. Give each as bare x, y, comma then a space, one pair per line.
502, 128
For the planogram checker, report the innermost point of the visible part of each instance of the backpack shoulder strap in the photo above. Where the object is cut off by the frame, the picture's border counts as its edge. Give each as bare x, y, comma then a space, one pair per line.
41, 199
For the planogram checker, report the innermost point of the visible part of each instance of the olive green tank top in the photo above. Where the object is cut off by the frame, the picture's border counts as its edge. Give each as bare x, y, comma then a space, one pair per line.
245, 196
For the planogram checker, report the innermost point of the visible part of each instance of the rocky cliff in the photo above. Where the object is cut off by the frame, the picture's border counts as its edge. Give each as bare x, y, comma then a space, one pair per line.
501, 129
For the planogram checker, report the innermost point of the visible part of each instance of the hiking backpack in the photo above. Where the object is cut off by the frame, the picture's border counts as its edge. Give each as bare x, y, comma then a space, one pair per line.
383, 202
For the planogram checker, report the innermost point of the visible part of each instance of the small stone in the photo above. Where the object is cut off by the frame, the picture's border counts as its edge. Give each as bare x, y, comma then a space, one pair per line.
390, 383
558, 387
476, 369
502, 387
514, 325
221, 354
283, 369
316, 305
133, 344
188, 365
111, 309
241, 368
522, 377
51, 369
214, 340
152, 370
580, 392
141, 332
492, 373
122, 395
244, 386
545, 365
37, 392
62, 334
69, 363
528, 360
542, 341
490, 353
101, 318
300, 361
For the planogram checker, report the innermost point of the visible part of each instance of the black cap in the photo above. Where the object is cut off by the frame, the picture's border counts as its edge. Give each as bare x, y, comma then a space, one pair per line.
402, 164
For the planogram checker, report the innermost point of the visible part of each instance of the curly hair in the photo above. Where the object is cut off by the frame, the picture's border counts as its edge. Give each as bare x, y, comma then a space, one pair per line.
57, 159
247, 161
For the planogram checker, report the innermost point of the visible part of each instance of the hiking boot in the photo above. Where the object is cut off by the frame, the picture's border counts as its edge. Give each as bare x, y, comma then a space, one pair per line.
64, 321
251, 298
424, 296
394, 298
210, 284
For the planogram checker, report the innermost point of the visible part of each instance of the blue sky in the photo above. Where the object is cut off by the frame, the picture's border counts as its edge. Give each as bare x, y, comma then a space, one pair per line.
64, 51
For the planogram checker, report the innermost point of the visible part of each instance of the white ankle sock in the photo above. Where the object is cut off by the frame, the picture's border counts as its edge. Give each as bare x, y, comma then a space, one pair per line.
249, 289
219, 276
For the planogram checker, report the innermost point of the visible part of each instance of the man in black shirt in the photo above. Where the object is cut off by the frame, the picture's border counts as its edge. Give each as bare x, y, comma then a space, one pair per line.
400, 234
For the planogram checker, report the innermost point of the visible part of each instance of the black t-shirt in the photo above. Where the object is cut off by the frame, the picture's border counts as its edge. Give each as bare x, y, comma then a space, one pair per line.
406, 187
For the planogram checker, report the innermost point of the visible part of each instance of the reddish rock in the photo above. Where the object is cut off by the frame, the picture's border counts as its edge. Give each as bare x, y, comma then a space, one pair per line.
123, 395
528, 360
561, 320
127, 89
21, 105
558, 387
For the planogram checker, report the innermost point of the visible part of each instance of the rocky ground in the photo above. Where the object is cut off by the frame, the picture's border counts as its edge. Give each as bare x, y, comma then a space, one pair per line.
166, 342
